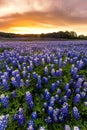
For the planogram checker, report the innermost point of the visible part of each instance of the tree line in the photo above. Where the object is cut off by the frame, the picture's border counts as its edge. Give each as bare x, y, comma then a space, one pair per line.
53, 35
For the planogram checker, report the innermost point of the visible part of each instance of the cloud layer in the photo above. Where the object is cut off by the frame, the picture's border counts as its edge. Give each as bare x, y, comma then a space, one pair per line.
46, 15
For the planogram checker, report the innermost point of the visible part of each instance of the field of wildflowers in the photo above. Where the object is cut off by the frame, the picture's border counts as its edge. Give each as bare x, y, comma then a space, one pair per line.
43, 85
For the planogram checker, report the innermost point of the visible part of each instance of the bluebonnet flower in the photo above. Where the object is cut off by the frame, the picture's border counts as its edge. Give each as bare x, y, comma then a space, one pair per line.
27, 83
68, 93
46, 70
50, 111
42, 128
85, 103
24, 74
48, 59
77, 90
49, 120
34, 115
14, 94
45, 80
36, 61
31, 125
14, 82
9, 70
31, 105
5, 84
45, 105
4, 122
4, 100
60, 117
20, 116
77, 98
28, 75
58, 91
80, 64
28, 96
21, 83
15, 117
52, 87
74, 72
14, 63
19, 67
76, 113
43, 61
57, 73
65, 104
39, 86
30, 68
46, 94
14, 73
6, 75
83, 94
64, 98
56, 97
57, 83
55, 115
64, 63
60, 72
79, 82
63, 114
34, 75
76, 128
67, 127
66, 86
24, 64
51, 103
18, 78
53, 72
29, 100
60, 62
55, 61
64, 110
51, 66
85, 84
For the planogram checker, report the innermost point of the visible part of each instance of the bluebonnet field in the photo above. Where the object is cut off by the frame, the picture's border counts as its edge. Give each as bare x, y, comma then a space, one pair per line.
43, 85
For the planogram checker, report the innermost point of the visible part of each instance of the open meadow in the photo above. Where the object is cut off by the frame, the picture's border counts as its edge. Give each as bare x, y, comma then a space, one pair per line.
43, 85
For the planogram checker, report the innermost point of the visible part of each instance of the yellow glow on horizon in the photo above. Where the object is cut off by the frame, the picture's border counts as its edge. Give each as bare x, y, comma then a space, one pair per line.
30, 30
39, 30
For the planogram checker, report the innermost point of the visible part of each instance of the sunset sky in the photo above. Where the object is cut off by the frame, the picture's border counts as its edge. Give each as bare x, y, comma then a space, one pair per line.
43, 16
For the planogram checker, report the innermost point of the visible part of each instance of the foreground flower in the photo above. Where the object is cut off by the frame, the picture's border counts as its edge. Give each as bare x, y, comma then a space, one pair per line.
34, 115
77, 99
67, 127
31, 125
29, 100
4, 100
76, 128
85, 103
76, 113
20, 116
4, 122
5, 84
14, 94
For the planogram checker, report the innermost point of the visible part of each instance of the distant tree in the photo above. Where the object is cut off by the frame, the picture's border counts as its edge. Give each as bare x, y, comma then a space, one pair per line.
81, 36
73, 34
